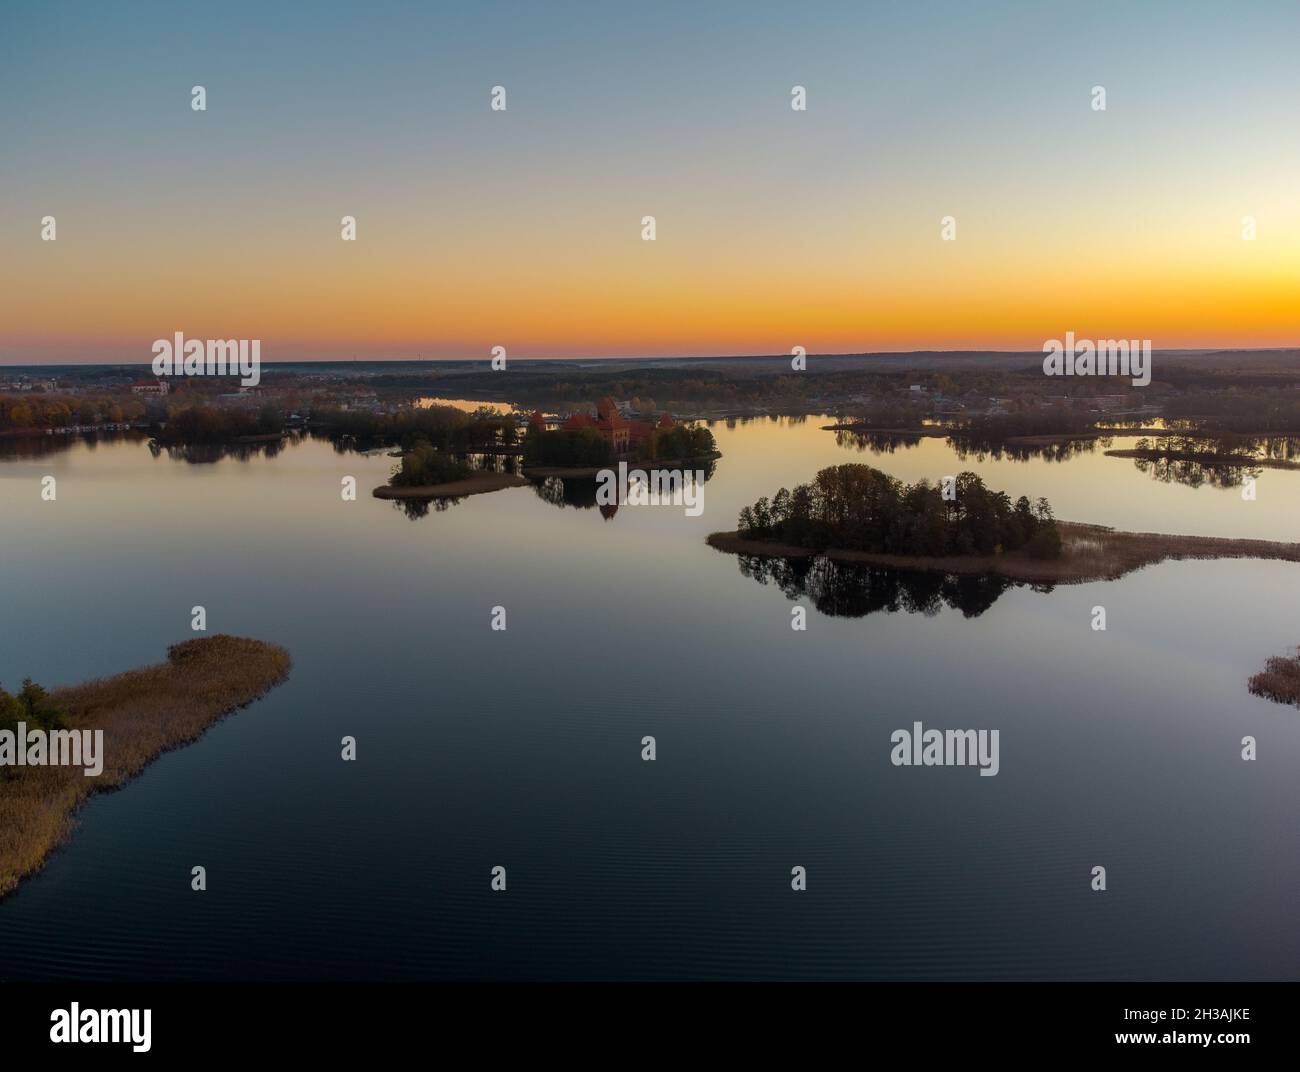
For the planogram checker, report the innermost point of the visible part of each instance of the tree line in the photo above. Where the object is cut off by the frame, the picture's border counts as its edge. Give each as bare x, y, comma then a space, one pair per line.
444, 427
218, 424
32, 705
584, 447
858, 508
681, 441
37, 411
424, 465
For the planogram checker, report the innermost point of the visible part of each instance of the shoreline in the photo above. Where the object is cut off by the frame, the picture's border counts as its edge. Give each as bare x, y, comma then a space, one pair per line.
928, 432
1155, 454
591, 472
142, 714
1089, 553
944, 431
1054, 438
479, 483
1049, 439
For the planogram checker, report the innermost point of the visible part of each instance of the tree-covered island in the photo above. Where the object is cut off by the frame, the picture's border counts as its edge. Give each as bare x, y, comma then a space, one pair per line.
853, 513
858, 508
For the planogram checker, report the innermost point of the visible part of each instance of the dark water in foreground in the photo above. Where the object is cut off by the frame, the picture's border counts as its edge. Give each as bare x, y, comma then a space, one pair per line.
522, 748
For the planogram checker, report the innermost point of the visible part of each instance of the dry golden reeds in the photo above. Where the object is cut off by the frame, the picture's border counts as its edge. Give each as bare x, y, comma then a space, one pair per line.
1279, 680
142, 713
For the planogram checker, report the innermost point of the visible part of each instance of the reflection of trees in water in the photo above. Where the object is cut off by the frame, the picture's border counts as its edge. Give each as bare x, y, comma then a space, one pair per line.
18, 448
1196, 474
981, 450
883, 441
494, 463
1176, 461
349, 444
1278, 448
415, 509
566, 491
207, 453
742, 420
580, 492
851, 590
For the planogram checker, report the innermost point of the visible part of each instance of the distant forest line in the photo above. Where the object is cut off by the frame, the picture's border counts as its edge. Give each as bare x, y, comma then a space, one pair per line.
986, 397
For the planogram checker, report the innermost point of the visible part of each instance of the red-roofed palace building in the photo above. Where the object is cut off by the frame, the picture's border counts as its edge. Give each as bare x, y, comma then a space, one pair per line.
621, 432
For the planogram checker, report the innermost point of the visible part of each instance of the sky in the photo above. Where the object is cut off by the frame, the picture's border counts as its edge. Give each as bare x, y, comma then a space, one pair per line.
522, 228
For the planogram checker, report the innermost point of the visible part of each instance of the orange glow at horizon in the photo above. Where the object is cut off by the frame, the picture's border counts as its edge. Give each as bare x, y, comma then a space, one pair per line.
709, 285
776, 227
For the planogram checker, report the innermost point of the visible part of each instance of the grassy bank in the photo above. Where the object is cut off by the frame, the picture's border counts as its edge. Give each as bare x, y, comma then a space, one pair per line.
142, 713
1088, 553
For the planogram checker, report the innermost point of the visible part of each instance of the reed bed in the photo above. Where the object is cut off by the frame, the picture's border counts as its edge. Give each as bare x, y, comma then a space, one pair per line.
1279, 681
142, 713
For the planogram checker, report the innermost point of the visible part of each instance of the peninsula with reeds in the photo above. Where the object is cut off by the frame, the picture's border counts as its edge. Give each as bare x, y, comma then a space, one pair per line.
136, 715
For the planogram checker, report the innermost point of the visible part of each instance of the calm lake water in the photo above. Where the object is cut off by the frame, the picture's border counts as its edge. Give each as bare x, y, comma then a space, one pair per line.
522, 748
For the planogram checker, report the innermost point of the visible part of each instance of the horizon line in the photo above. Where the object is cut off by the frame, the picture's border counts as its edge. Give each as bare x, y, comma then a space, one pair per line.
1206, 350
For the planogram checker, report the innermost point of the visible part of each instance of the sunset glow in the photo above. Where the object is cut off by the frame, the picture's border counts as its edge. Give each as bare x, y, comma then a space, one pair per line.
521, 228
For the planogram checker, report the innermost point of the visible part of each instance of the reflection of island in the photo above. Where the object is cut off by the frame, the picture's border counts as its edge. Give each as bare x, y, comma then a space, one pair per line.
140, 714
1023, 449
845, 589
209, 453
971, 440
39, 446
562, 492
580, 492
1047, 435
1220, 462
881, 440
415, 509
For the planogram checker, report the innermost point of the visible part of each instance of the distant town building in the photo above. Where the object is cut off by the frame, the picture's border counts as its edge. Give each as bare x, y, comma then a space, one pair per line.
157, 388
